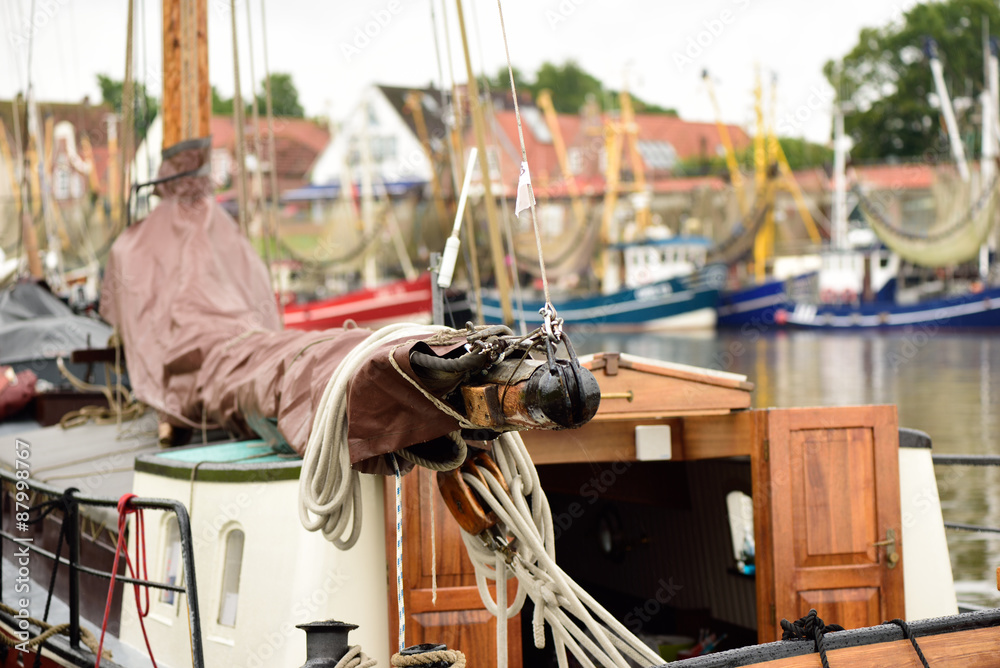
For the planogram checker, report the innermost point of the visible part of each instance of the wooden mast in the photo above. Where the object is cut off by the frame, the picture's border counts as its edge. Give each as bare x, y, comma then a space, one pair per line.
185, 68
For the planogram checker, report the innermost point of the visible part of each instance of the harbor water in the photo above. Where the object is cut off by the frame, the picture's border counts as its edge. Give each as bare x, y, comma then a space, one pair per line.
945, 383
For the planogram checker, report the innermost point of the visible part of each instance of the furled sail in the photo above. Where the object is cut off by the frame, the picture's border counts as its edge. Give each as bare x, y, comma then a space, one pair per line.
944, 245
741, 238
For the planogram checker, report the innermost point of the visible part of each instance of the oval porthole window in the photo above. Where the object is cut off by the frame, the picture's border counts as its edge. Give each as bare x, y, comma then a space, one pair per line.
231, 578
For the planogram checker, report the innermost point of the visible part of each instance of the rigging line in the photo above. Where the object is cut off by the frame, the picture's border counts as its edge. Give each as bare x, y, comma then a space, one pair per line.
497, 135
31, 38
258, 181
524, 159
128, 113
456, 109
238, 120
272, 228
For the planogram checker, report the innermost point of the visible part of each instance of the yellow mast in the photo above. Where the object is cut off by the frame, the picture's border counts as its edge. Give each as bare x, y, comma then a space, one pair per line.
544, 101
8, 159
643, 215
761, 246
416, 108
735, 176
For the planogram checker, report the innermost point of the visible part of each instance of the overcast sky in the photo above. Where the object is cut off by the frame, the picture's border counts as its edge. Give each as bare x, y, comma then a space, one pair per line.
661, 46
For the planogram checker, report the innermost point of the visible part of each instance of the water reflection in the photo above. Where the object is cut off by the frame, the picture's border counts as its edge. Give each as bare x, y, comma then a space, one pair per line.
941, 381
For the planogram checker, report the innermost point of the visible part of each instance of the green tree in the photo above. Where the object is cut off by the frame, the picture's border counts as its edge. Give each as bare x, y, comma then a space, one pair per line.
223, 106
802, 154
284, 96
145, 107
570, 85
887, 78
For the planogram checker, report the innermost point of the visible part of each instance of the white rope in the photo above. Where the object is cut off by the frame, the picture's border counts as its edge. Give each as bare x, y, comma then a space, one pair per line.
329, 489
355, 658
578, 622
502, 616
432, 503
399, 554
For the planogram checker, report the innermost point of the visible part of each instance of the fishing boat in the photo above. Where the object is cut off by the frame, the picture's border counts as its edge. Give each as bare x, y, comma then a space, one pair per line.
399, 301
665, 288
886, 276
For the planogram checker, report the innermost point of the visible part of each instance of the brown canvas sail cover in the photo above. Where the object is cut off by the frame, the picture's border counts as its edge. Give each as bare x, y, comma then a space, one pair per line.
203, 340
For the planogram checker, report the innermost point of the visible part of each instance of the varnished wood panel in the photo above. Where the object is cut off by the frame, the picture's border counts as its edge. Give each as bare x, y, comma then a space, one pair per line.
834, 506
472, 631
717, 436
831, 490
966, 649
458, 618
851, 608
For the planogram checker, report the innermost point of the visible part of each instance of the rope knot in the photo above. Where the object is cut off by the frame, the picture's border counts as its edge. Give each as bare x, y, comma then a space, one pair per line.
810, 627
63, 501
125, 505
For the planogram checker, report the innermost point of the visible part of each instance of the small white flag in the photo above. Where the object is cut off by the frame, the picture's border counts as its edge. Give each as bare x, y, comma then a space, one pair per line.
524, 197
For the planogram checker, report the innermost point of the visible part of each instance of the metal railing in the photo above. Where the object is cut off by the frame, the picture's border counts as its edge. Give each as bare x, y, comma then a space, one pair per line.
967, 460
71, 520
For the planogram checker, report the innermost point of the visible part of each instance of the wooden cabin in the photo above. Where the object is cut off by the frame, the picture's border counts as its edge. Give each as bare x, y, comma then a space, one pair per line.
639, 501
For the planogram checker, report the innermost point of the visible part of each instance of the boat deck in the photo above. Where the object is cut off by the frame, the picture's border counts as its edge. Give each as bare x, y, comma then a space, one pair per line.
97, 459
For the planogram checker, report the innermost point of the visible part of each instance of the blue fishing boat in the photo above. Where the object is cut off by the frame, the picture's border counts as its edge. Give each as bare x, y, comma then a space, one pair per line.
662, 284
801, 302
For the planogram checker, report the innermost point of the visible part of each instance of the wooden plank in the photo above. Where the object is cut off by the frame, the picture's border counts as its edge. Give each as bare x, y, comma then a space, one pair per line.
764, 539
594, 442
613, 362
635, 391
726, 436
977, 648
92, 355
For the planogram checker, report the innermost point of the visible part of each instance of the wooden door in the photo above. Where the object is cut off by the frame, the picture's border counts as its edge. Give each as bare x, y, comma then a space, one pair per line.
458, 618
833, 476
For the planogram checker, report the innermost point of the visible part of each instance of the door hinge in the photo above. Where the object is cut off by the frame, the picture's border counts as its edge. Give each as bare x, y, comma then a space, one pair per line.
767, 449
774, 615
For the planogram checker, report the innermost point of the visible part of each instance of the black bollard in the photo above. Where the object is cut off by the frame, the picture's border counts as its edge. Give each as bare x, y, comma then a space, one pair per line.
326, 642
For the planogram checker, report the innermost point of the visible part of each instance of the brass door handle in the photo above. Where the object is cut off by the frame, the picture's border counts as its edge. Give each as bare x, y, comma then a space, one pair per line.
891, 556
628, 396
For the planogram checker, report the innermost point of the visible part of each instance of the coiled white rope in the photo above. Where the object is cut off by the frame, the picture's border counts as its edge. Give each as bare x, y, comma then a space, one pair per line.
329, 489
578, 622
330, 501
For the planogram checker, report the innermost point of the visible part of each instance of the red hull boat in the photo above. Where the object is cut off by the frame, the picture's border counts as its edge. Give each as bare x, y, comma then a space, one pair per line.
403, 300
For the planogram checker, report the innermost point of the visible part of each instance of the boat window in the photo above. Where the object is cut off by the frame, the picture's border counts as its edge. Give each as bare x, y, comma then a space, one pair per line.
231, 578
171, 560
740, 509
883, 261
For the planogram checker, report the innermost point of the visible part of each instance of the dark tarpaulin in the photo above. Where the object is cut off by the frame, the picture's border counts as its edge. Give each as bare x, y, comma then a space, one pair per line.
203, 342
